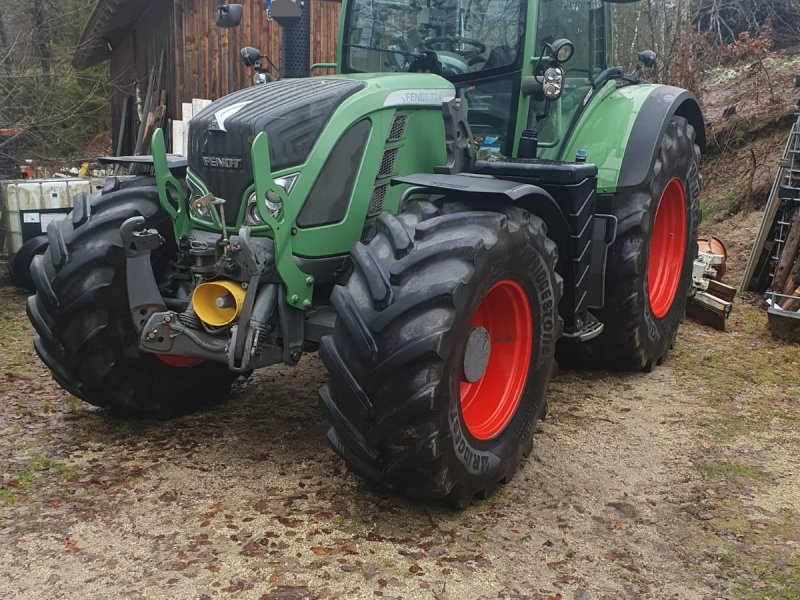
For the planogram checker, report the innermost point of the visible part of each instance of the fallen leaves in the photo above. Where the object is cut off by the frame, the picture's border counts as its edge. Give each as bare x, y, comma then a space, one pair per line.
287, 593
71, 547
610, 557
321, 550
254, 549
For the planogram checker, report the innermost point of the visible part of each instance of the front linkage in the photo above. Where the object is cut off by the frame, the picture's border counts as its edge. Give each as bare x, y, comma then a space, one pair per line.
258, 271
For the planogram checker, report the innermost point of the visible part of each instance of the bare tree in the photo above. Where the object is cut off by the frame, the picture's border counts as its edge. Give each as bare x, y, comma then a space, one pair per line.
58, 109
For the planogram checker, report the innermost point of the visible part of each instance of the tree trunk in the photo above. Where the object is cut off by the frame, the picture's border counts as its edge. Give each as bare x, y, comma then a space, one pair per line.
5, 50
41, 35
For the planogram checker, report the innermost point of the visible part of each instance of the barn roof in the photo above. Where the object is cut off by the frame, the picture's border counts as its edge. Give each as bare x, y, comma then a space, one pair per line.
110, 22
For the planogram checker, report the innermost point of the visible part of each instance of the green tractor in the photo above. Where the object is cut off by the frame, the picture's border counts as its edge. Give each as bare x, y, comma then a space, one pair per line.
473, 188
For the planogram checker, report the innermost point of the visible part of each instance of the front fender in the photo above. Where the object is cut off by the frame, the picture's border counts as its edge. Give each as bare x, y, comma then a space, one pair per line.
621, 128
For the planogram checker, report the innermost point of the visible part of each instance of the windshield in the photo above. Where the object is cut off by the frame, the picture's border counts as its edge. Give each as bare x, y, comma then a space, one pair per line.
453, 37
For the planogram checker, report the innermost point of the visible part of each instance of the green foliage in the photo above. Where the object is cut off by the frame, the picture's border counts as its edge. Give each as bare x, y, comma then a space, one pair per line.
59, 109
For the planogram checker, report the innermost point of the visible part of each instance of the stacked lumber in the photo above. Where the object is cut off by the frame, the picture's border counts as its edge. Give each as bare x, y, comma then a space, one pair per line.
783, 295
154, 112
786, 282
180, 128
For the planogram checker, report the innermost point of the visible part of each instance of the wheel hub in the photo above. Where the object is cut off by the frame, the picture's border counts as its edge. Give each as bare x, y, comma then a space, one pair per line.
497, 358
476, 354
667, 248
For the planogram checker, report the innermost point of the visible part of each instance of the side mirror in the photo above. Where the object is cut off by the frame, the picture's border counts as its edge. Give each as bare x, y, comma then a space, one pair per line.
647, 58
229, 15
251, 56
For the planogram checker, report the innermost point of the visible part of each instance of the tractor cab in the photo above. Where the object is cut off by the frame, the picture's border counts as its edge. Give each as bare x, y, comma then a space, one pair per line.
500, 55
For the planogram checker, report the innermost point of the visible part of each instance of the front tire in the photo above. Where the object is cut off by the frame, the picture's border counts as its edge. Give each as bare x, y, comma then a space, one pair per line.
19, 269
443, 349
649, 270
81, 315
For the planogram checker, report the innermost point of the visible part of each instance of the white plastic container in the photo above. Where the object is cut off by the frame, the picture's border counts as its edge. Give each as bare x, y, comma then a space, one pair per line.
29, 206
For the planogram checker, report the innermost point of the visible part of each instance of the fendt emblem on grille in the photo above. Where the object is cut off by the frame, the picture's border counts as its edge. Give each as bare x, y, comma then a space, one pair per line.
222, 162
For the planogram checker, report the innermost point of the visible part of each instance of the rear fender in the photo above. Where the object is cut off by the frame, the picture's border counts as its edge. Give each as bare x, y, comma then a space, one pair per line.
622, 128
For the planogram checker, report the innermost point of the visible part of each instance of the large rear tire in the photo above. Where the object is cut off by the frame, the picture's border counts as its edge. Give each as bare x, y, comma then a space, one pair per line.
81, 315
443, 349
649, 272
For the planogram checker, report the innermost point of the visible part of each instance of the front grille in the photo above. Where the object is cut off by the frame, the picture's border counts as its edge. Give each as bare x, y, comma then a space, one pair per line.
398, 129
376, 203
387, 163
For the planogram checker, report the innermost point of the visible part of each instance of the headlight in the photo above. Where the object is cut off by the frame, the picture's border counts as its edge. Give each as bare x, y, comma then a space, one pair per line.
253, 216
553, 83
274, 204
287, 182
272, 201
199, 210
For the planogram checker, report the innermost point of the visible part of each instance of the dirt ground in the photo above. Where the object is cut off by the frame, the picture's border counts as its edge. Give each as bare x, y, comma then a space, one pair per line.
679, 484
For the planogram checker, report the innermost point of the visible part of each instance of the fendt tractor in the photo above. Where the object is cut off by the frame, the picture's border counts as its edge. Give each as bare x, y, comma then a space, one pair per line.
473, 187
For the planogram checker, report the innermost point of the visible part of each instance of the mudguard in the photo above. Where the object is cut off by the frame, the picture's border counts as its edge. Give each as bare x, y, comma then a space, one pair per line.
621, 128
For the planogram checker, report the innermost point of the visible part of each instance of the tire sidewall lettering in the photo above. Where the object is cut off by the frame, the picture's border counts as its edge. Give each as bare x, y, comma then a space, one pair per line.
658, 329
538, 283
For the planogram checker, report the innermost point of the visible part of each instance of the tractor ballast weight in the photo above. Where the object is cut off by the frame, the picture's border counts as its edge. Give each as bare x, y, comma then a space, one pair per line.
383, 216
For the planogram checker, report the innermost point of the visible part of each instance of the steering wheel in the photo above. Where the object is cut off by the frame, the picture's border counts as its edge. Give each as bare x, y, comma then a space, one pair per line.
450, 43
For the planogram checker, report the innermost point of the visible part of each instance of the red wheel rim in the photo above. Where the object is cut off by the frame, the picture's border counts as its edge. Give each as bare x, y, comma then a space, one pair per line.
179, 362
667, 248
488, 404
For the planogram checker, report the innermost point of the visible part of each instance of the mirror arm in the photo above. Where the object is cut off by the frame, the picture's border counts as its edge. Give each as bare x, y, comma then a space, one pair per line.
606, 75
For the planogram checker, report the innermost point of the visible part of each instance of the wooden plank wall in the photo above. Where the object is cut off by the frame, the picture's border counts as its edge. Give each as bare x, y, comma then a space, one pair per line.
207, 58
202, 61
135, 55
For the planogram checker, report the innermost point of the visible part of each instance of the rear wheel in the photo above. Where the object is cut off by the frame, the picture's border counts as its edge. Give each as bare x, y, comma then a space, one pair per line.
649, 270
80, 312
443, 349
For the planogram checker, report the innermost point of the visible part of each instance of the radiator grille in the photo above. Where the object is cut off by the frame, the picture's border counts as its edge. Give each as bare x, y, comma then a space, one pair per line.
398, 129
387, 163
378, 197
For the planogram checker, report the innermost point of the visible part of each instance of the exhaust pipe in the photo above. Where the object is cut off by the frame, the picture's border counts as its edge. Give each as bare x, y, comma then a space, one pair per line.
294, 18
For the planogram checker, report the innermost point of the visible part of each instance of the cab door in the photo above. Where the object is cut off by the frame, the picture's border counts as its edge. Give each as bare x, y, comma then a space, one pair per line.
585, 23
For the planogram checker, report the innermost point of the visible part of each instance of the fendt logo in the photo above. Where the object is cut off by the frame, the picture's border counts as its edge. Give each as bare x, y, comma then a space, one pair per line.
221, 162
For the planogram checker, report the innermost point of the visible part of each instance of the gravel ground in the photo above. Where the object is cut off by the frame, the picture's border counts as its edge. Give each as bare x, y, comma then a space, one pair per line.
678, 484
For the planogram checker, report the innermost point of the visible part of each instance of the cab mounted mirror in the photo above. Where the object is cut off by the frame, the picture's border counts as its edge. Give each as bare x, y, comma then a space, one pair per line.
251, 56
229, 15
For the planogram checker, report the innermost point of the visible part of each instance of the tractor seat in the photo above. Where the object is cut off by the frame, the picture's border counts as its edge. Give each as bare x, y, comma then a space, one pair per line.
536, 170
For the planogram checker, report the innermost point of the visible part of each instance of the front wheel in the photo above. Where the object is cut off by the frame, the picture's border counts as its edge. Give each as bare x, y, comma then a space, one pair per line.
649, 271
81, 315
443, 349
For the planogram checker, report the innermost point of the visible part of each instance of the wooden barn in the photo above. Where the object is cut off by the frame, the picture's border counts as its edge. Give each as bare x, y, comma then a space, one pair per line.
180, 40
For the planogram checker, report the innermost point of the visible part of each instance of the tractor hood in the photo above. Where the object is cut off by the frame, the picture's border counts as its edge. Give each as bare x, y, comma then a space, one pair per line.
293, 113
